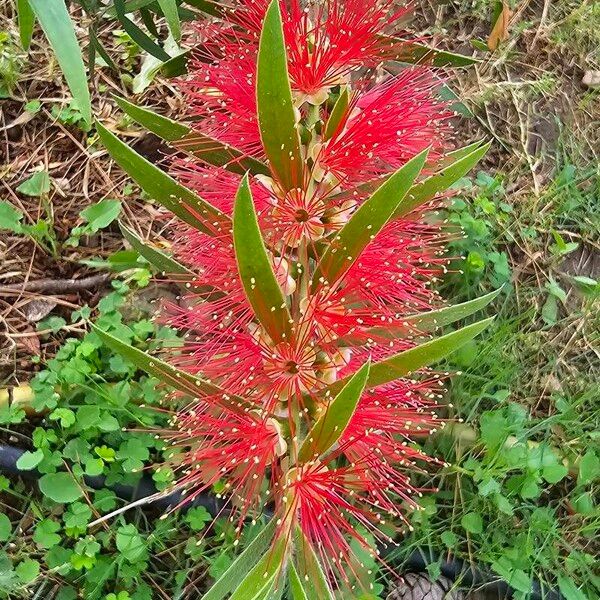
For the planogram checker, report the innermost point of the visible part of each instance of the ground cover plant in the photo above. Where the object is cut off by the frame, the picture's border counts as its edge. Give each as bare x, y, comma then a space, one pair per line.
519, 491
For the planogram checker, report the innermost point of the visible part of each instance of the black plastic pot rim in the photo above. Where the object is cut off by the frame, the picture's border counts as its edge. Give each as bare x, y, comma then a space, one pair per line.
454, 569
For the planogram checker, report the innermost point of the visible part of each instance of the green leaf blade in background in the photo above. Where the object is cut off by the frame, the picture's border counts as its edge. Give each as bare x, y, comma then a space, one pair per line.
414, 53
255, 269
337, 115
182, 202
368, 220
54, 19
296, 588
194, 387
171, 13
331, 425
276, 116
26, 22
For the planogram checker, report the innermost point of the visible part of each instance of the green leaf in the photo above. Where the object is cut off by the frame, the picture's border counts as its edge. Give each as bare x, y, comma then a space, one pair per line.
366, 223
569, 590
176, 66
164, 189
180, 380
413, 53
296, 588
165, 264
10, 217
54, 18
441, 181
256, 271
433, 319
37, 185
26, 22
332, 424
171, 13
28, 570
242, 565
30, 460
218, 154
310, 570
137, 35
165, 128
259, 581
46, 535
5, 528
101, 215
276, 117
130, 543
413, 359
337, 116
60, 487
472, 522
589, 468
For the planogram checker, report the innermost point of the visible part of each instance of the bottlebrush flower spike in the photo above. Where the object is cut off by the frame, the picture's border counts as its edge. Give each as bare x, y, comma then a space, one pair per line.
308, 295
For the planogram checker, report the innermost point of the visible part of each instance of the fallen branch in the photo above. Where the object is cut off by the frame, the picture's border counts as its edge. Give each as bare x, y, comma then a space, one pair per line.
57, 286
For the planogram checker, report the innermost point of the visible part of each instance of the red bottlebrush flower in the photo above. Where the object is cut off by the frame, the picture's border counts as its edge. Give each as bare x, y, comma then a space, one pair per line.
296, 317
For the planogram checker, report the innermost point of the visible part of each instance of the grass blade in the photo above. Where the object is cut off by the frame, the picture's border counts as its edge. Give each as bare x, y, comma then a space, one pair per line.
256, 272
26, 22
179, 380
242, 565
423, 355
332, 424
276, 116
366, 223
170, 11
54, 19
164, 189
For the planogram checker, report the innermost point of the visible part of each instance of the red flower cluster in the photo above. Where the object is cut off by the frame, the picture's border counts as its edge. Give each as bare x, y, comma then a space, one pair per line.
333, 48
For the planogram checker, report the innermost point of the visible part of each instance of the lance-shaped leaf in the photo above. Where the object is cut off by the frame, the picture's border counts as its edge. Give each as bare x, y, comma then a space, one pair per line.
242, 565
413, 53
164, 264
165, 128
26, 22
256, 272
332, 424
337, 116
366, 223
432, 319
296, 588
203, 147
171, 14
221, 155
259, 582
276, 117
441, 181
310, 570
54, 18
184, 382
164, 189
401, 364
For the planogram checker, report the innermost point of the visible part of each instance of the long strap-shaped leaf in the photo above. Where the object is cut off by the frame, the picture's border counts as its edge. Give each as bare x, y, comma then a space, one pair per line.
332, 424
276, 117
171, 14
58, 27
428, 188
296, 588
165, 128
432, 319
26, 22
164, 189
413, 53
337, 115
261, 579
165, 264
242, 565
401, 364
256, 272
310, 570
366, 223
203, 147
180, 380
